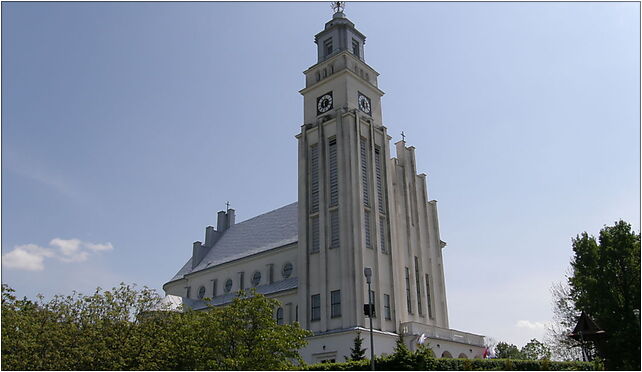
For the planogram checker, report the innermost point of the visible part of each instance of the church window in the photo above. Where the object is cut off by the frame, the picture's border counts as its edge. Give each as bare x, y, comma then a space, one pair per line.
314, 178
287, 270
379, 177
314, 241
408, 299
430, 315
228, 285
327, 47
256, 278
386, 307
241, 281
279, 316
188, 290
331, 69
270, 273
382, 234
296, 313
366, 228
355, 47
214, 285
325, 72
334, 229
318, 76
364, 171
335, 304
315, 310
418, 286
333, 172
201, 292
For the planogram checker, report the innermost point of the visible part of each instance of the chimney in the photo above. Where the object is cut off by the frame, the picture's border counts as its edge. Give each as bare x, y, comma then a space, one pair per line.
221, 222
230, 218
198, 252
211, 236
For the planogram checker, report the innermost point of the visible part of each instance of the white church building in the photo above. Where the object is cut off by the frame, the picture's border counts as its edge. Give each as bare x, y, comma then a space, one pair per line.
359, 206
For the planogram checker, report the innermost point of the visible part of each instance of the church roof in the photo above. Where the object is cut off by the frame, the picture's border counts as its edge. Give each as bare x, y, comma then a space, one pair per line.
259, 234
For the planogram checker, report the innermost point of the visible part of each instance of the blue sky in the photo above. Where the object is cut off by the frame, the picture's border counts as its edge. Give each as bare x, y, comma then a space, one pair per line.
127, 126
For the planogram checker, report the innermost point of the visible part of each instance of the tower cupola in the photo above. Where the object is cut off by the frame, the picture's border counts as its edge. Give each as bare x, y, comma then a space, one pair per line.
339, 34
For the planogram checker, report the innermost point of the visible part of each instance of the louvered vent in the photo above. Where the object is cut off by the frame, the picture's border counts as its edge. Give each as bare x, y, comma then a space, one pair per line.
314, 178
366, 227
379, 180
334, 229
334, 180
382, 234
364, 171
314, 234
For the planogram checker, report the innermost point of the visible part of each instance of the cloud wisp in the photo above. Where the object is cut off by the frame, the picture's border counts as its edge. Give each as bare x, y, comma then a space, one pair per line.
31, 257
531, 325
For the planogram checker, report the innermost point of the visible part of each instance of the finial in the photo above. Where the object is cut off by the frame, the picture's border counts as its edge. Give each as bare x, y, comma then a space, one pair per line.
338, 6
403, 136
227, 204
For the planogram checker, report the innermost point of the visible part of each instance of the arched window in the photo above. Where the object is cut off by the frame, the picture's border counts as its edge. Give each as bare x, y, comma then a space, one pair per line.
228, 285
279, 315
201, 292
462, 355
256, 278
446, 354
286, 271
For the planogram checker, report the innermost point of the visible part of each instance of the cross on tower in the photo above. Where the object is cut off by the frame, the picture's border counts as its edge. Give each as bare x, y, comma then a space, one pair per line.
403, 136
338, 6
227, 204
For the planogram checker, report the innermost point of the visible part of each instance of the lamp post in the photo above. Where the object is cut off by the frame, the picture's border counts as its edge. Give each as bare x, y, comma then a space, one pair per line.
368, 273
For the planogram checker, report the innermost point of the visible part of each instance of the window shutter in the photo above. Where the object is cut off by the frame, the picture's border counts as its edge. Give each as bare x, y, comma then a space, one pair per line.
382, 234
314, 178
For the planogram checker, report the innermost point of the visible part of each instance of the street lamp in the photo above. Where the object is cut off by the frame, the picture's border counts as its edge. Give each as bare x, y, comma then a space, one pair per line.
368, 273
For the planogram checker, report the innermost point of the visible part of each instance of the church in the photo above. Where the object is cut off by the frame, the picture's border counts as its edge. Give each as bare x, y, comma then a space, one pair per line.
359, 207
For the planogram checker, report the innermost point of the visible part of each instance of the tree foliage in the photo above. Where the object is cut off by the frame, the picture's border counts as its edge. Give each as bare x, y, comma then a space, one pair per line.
535, 350
357, 352
605, 283
123, 329
505, 350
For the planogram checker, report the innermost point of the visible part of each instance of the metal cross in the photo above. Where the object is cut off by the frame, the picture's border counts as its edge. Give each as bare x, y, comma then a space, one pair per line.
227, 204
403, 136
338, 6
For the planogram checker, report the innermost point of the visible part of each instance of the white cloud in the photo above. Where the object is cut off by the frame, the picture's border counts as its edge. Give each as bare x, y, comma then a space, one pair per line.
28, 257
531, 325
31, 256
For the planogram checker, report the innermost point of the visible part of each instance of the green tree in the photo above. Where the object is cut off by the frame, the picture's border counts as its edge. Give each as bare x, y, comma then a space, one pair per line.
605, 283
357, 352
504, 350
535, 350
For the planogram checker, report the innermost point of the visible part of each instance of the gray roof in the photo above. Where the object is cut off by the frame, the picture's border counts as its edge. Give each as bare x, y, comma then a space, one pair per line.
259, 234
266, 289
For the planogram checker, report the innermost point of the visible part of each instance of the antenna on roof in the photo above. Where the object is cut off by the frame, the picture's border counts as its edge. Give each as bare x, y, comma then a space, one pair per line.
338, 6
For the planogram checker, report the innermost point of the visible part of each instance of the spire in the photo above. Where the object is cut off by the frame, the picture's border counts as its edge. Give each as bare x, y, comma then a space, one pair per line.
339, 35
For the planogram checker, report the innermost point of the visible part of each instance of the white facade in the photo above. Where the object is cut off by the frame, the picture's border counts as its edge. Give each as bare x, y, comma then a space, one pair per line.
357, 207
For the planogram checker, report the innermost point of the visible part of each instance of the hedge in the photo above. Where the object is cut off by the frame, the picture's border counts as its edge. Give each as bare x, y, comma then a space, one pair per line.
394, 363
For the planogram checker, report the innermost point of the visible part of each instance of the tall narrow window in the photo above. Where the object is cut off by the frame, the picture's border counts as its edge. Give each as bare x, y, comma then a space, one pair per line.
418, 286
327, 45
335, 304
334, 229
279, 315
314, 234
333, 172
379, 176
188, 291
382, 234
366, 228
408, 299
296, 313
355, 47
364, 171
241, 281
214, 285
428, 297
386, 307
315, 309
314, 178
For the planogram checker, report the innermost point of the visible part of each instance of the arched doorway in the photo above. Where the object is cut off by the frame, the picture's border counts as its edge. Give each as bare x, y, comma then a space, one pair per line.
446, 354
462, 355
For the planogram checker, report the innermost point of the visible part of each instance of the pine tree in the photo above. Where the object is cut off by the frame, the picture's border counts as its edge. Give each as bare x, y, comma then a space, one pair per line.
356, 352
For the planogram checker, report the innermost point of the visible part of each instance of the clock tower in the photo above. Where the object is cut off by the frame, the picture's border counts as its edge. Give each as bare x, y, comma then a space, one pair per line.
344, 183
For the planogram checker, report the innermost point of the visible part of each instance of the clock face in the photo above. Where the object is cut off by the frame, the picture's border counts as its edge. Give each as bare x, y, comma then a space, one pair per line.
324, 103
364, 104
